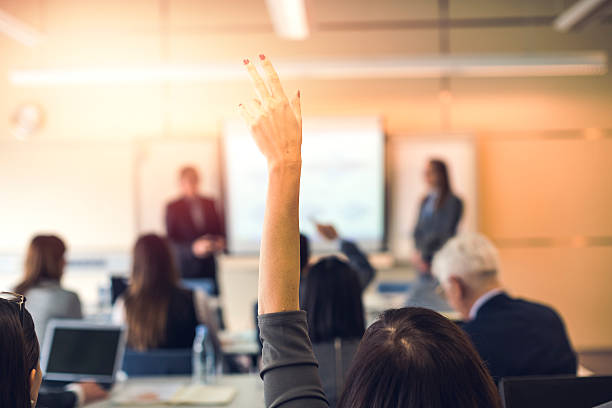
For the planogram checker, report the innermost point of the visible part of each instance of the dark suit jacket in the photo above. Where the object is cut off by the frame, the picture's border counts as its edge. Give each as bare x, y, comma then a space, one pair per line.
56, 399
431, 233
516, 338
182, 232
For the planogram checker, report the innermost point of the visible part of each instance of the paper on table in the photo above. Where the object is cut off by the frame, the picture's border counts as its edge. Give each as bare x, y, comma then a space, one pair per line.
146, 394
204, 395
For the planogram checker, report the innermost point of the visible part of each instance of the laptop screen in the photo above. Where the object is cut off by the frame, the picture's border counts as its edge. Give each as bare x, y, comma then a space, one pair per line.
80, 351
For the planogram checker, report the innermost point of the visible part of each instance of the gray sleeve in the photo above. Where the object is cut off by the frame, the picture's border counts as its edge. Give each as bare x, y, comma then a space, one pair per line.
290, 370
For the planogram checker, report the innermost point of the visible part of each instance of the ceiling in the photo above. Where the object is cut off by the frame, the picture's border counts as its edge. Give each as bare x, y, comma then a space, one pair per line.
99, 33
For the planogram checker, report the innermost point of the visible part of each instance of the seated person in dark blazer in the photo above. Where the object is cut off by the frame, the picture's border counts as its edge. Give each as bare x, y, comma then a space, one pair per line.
513, 336
194, 229
439, 215
354, 255
357, 260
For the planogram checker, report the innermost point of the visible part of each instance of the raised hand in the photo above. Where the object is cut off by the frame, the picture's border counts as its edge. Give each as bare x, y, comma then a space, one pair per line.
93, 392
276, 123
328, 231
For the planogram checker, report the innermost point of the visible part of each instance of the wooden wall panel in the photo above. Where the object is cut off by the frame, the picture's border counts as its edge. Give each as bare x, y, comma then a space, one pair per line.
546, 202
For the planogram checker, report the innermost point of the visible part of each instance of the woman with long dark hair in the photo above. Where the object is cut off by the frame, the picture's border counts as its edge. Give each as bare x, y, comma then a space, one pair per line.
19, 354
332, 300
19, 361
403, 345
439, 215
41, 284
156, 310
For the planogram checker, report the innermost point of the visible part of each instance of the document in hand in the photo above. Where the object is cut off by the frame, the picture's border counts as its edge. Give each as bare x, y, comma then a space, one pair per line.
176, 394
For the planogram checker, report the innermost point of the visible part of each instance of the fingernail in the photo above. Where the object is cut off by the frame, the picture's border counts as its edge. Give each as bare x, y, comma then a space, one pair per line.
240, 105
262, 57
245, 61
298, 93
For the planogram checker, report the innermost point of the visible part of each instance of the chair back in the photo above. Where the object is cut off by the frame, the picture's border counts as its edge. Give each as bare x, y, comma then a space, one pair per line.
555, 391
158, 362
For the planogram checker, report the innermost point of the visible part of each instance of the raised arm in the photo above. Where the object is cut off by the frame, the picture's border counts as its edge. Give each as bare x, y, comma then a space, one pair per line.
289, 368
276, 125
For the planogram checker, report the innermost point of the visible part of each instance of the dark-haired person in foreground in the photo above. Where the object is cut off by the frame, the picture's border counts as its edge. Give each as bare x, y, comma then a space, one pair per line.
19, 358
513, 336
408, 358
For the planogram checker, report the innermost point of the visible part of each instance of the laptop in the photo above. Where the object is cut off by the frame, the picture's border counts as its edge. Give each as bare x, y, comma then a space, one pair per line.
78, 350
556, 391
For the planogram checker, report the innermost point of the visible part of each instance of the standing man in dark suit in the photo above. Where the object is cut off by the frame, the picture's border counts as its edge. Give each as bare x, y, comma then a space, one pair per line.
514, 337
194, 229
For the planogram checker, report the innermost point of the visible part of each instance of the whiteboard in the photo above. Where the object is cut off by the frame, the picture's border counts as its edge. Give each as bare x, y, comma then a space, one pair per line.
408, 157
342, 182
81, 191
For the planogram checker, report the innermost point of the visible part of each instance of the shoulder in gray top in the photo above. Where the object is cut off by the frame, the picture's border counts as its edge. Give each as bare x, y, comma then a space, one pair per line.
48, 300
290, 369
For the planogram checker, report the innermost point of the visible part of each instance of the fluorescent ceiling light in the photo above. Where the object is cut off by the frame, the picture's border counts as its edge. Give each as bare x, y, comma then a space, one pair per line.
289, 18
527, 65
580, 14
18, 30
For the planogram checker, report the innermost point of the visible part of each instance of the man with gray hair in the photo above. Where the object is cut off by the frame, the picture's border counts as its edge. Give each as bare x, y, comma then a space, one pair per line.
513, 336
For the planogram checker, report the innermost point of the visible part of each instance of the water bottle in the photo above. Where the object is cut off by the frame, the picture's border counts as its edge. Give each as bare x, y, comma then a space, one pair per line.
204, 361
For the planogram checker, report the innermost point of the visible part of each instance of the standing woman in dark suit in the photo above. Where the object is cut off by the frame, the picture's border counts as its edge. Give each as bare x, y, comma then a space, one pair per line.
439, 215
194, 229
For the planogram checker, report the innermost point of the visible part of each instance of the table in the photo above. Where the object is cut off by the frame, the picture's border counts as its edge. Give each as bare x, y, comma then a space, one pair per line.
249, 386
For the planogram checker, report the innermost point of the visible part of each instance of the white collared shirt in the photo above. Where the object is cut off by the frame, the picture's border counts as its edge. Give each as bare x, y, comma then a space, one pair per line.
482, 300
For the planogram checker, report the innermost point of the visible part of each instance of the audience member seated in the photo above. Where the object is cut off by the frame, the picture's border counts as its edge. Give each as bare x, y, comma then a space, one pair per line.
513, 336
356, 258
332, 300
156, 310
44, 268
19, 358
408, 358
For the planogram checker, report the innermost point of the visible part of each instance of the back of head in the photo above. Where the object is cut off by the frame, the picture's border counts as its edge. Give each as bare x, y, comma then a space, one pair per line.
414, 357
44, 261
333, 301
154, 277
19, 354
469, 256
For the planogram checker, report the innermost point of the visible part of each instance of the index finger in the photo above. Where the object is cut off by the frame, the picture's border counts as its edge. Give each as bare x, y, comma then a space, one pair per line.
259, 84
272, 78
